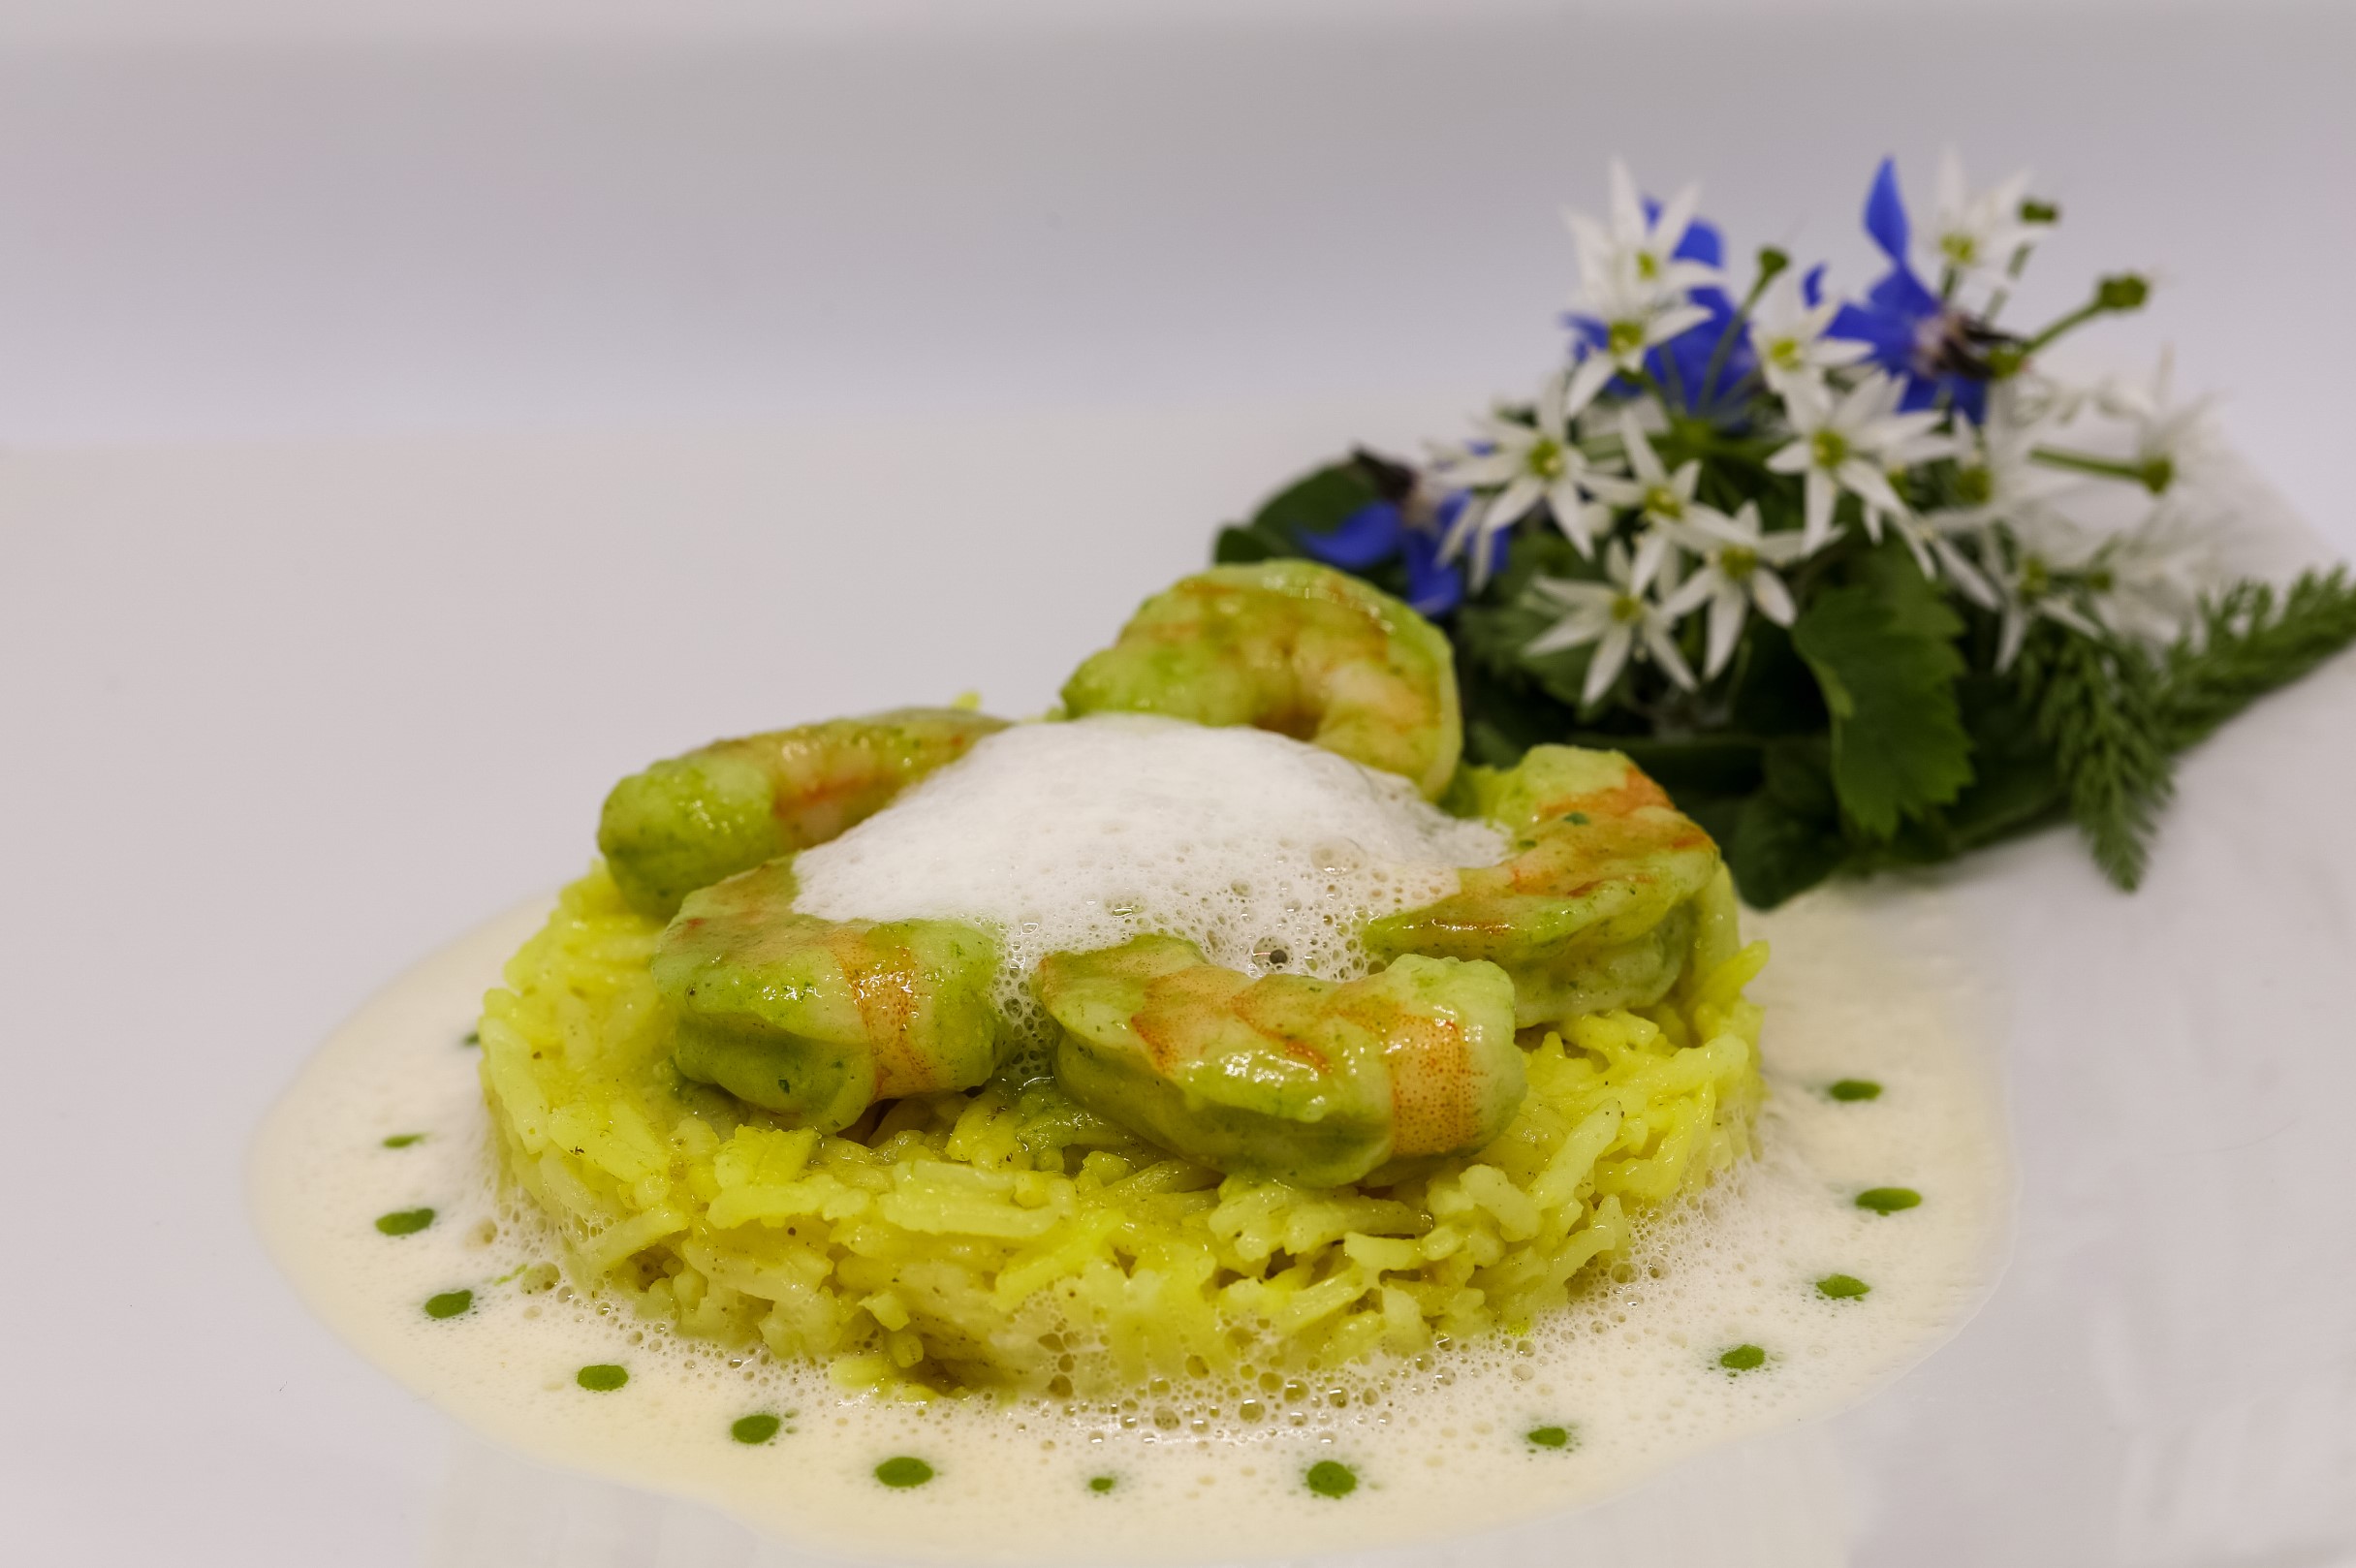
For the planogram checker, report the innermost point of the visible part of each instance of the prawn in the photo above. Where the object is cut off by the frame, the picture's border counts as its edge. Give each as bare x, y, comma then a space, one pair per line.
1308, 1080
816, 1019
1295, 647
686, 823
1601, 901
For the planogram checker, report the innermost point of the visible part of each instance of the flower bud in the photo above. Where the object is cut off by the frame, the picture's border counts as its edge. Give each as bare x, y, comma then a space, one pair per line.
2121, 291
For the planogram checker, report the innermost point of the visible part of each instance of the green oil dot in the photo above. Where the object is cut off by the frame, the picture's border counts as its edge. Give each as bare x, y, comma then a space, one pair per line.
1855, 1089
1888, 1199
404, 1140
1842, 1287
1102, 1483
1742, 1358
1577, 819
1549, 1436
602, 1378
903, 1471
450, 1303
1328, 1479
404, 1221
755, 1430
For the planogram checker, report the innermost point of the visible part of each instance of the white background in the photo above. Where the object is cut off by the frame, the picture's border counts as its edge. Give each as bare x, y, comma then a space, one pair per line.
414, 420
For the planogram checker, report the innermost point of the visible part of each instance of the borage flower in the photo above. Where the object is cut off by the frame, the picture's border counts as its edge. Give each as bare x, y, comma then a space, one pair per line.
1616, 616
1739, 558
1838, 445
1408, 530
1937, 352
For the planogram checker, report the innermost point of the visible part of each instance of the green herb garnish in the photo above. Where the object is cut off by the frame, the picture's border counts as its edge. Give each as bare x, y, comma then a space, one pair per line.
1826, 604
903, 1471
1328, 1478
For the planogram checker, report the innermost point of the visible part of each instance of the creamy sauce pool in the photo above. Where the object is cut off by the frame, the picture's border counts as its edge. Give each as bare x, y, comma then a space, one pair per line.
1778, 1296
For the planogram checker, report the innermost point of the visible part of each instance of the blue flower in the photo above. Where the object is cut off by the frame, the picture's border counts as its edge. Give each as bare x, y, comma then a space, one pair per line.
1681, 364
1912, 332
1380, 531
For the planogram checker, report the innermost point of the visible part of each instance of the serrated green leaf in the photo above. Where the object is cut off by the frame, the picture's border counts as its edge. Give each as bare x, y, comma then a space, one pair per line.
1884, 657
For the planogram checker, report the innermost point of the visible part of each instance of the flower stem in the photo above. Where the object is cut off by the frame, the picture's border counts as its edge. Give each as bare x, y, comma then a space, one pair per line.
1650, 382
1770, 263
2152, 474
2011, 274
2121, 293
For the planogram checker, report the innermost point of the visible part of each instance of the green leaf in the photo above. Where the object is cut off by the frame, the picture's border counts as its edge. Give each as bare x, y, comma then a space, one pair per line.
2247, 646
1505, 716
1786, 837
1774, 691
1318, 502
2013, 786
2096, 705
1884, 653
1241, 546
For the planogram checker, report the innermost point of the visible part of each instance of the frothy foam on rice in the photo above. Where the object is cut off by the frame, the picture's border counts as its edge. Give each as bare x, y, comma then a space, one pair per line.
1269, 854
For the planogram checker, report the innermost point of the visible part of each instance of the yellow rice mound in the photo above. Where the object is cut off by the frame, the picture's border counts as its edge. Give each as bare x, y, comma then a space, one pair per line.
1007, 1237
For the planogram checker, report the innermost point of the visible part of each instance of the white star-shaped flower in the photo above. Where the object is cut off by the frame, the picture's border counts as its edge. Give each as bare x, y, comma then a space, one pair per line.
1931, 538
1839, 444
1739, 558
2034, 585
1642, 251
2171, 439
2145, 583
1996, 478
1660, 497
1632, 281
1978, 235
1516, 466
1895, 459
1787, 335
1616, 616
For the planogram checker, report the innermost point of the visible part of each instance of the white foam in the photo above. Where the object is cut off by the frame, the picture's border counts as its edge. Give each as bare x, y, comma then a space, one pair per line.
1267, 853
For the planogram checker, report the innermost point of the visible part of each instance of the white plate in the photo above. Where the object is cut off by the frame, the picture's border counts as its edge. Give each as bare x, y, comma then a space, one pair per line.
339, 704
